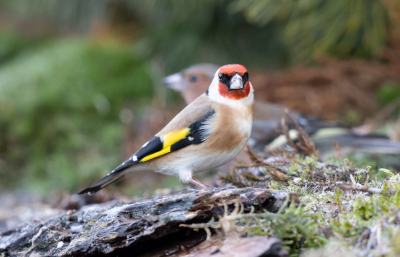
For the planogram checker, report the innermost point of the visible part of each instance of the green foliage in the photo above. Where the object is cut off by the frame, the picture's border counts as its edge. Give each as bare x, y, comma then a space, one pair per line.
314, 28
12, 43
366, 213
271, 32
60, 110
342, 208
360, 219
258, 33
187, 32
59, 12
297, 229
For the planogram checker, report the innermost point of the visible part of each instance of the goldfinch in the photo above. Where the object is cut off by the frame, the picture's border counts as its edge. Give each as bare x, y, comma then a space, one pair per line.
206, 134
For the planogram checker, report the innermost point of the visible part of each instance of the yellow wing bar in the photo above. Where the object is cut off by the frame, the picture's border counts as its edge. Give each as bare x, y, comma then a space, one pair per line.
168, 140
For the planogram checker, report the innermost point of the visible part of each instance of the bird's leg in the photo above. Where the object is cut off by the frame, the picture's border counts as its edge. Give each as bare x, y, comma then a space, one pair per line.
197, 182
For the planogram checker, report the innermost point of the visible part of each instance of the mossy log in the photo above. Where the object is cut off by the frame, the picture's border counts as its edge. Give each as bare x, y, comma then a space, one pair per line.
145, 228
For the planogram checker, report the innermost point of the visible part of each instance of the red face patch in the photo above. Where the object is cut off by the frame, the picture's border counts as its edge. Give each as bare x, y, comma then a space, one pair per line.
234, 94
231, 69
223, 89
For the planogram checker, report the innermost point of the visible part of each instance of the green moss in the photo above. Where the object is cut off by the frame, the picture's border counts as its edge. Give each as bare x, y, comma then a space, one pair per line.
343, 208
298, 229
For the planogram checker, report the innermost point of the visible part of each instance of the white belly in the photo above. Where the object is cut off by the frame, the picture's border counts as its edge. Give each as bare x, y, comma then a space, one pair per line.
189, 162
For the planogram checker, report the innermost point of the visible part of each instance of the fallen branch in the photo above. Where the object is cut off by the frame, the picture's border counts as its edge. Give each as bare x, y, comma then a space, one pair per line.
135, 228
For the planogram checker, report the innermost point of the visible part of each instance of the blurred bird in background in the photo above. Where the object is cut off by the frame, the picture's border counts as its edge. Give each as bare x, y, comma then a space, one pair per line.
267, 126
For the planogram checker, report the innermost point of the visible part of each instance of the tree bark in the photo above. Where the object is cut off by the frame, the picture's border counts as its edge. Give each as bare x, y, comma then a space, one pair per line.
135, 229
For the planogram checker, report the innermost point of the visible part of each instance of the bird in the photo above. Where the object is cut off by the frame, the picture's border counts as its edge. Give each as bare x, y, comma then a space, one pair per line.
206, 134
267, 126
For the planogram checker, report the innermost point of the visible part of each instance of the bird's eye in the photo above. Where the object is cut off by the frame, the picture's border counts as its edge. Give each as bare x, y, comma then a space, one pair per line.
246, 77
193, 78
223, 78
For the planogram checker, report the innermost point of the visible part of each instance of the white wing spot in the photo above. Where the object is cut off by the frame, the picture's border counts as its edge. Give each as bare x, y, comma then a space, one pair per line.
145, 144
190, 138
134, 158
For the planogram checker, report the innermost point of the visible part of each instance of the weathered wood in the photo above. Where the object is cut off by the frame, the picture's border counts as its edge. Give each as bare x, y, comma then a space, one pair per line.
136, 228
236, 247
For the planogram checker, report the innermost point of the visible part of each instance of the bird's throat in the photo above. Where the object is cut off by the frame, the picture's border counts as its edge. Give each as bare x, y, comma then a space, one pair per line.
234, 94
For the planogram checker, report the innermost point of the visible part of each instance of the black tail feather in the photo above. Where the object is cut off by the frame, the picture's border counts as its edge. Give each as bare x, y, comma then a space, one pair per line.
114, 175
103, 182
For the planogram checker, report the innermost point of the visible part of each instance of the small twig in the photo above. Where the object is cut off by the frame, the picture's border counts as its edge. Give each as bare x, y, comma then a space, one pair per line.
24, 253
279, 176
253, 156
347, 187
252, 177
360, 188
270, 151
338, 151
340, 236
304, 146
253, 166
285, 130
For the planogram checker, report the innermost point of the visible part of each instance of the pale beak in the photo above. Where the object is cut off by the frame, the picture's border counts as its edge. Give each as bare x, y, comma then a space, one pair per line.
174, 81
236, 82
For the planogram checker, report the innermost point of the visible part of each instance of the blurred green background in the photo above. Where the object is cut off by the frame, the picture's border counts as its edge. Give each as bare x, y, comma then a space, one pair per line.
75, 75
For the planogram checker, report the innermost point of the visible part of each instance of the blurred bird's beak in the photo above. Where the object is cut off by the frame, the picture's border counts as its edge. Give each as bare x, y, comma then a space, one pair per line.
174, 81
236, 82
